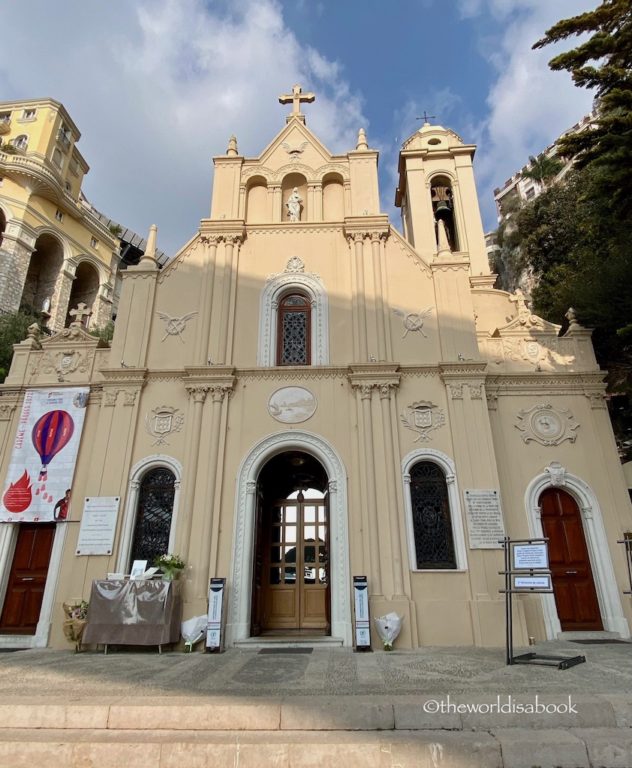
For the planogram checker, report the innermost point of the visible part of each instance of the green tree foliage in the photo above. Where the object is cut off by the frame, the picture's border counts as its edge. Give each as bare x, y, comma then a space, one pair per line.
543, 168
579, 250
602, 62
13, 329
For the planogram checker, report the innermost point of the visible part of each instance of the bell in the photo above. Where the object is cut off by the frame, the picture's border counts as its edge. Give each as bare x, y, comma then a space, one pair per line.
443, 210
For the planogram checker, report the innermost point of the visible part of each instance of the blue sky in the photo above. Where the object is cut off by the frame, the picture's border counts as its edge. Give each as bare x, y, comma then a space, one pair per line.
158, 86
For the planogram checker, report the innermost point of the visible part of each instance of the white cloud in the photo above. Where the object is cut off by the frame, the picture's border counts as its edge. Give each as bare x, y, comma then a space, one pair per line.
158, 86
529, 105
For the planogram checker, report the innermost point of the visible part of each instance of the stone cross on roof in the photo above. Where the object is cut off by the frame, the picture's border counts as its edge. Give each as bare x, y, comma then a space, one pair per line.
79, 313
295, 98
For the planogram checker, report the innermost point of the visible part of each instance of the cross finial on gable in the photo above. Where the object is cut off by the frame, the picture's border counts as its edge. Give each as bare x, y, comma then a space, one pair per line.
79, 313
295, 98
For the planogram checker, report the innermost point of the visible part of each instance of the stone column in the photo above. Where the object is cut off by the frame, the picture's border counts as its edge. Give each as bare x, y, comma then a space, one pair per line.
15, 255
367, 457
230, 320
384, 293
379, 298
227, 279
360, 297
393, 506
197, 396
277, 212
210, 516
242, 202
61, 297
317, 214
206, 300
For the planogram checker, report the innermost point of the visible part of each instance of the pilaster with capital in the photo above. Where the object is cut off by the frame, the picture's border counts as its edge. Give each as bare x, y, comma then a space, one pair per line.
368, 489
203, 327
227, 287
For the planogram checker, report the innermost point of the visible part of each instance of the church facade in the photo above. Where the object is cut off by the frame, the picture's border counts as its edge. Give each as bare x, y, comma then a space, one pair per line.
304, 394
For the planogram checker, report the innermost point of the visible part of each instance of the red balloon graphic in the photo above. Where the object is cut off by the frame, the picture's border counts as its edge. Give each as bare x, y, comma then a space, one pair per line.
51, 433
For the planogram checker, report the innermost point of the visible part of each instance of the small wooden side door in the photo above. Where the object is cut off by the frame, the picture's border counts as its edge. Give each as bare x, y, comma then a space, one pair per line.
573, 585
27, 579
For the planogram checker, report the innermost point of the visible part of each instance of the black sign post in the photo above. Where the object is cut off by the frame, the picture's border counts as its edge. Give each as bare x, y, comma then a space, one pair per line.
527, 571
627, 543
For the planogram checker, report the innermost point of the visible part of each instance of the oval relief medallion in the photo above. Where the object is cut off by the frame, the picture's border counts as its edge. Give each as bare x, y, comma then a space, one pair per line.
291, 405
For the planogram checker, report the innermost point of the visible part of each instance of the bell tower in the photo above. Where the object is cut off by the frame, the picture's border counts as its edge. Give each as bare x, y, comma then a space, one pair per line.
438, 200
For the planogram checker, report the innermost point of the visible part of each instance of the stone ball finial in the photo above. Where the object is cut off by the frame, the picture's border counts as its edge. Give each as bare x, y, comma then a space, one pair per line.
232, 150
362, 142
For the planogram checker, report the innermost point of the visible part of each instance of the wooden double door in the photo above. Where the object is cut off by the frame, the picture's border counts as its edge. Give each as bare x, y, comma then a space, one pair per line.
27, 579
293, 583
573, 583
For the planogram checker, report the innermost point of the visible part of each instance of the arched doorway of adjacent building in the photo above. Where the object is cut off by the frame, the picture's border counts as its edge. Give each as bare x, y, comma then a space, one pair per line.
39, 292
291, 569
573, 584
85, 288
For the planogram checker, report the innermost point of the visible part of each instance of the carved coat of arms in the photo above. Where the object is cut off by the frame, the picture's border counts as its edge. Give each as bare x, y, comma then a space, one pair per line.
423, 417
163, 421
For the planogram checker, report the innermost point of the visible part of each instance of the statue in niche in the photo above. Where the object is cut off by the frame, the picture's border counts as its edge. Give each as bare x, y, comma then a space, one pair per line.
294, 206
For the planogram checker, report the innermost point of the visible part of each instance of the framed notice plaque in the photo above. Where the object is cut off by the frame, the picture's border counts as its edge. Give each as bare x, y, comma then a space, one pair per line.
484, 519
98, 523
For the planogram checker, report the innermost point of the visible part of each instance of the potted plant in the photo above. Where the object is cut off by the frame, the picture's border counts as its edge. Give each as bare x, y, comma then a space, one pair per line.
170, 565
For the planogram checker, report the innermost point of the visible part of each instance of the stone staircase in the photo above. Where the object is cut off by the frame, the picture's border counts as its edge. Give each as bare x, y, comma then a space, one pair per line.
305, 731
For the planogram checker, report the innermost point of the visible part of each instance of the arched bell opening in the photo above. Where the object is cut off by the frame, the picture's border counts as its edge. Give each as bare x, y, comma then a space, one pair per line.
442, 199
85, 288
291, 569
41, 278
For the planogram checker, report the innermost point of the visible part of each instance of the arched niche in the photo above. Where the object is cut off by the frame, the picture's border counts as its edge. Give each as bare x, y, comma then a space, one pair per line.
43, 272
333, 197
257, 207
443, 207
85, 288
298, 181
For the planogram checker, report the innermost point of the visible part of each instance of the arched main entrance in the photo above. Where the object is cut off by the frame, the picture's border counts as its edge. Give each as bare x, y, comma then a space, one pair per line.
239, 621
573, 583
291, 558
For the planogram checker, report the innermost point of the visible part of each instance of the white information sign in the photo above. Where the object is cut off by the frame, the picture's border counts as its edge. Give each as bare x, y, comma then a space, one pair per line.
532, 582
530, 556
484, 519
215, 614
96, 535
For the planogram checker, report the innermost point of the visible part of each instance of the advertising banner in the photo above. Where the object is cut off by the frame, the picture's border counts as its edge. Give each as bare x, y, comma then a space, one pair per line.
39, 481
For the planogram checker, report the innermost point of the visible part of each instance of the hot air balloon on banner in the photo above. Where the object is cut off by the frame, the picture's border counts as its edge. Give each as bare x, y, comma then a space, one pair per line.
51, 433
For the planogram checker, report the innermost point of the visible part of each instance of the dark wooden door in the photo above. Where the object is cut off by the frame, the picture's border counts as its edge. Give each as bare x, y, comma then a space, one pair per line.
573, 584
296, 566
27, 579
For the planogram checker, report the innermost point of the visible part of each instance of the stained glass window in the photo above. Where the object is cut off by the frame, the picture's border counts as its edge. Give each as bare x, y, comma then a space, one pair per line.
294, 330
153, 516
432, 523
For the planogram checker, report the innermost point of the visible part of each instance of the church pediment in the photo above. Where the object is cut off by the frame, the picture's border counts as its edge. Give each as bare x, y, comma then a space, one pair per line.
294, 148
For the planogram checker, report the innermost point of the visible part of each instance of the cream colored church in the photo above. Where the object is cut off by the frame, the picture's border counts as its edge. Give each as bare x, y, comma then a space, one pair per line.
306, 394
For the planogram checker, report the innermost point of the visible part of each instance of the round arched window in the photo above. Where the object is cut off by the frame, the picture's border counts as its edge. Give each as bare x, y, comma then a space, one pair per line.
153, 515
294, 330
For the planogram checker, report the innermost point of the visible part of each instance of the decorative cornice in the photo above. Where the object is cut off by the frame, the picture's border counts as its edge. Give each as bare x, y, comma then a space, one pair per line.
463, 370
124, 376
306, 227
562, 383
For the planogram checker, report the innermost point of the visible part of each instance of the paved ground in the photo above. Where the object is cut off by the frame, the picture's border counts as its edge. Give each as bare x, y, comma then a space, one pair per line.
429, 708
331, 672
